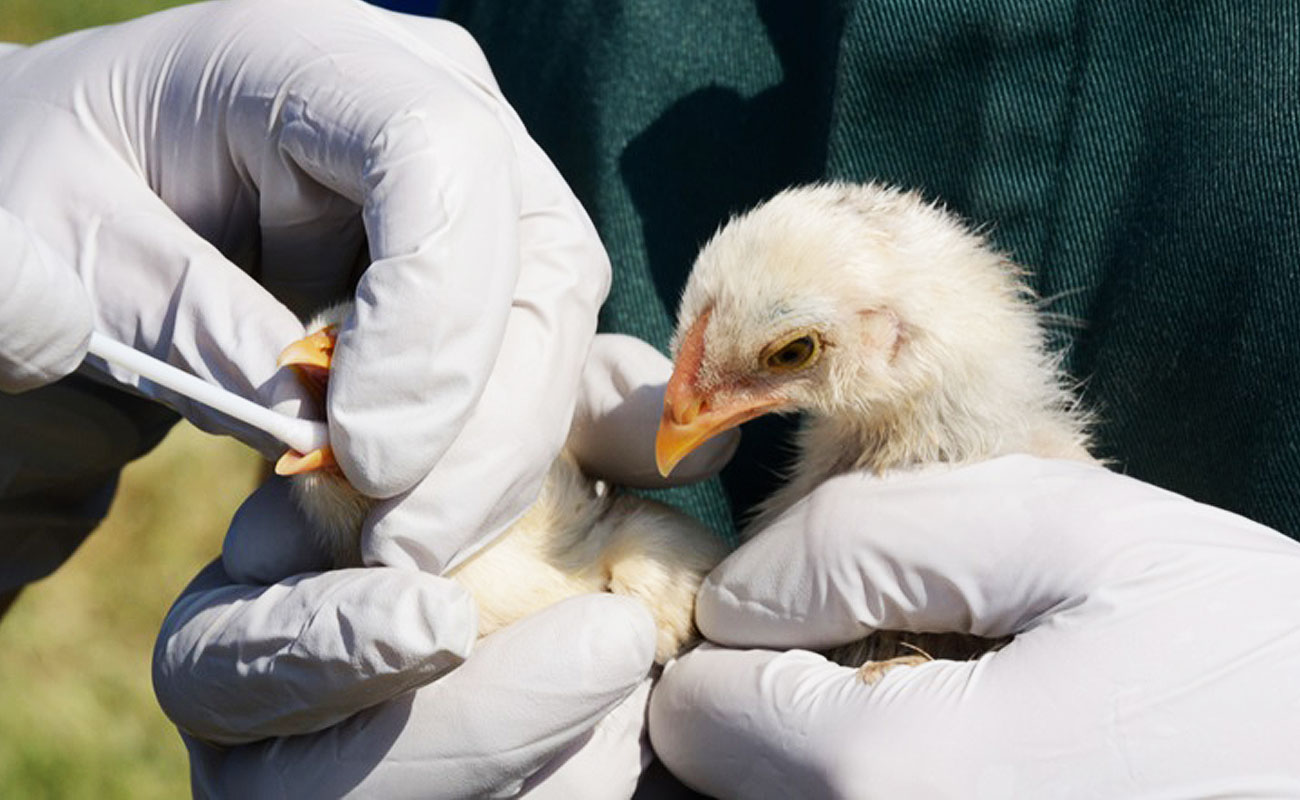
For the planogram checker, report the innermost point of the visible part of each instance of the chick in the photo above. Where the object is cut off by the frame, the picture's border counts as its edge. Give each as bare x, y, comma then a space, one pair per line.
905, 339
578, 537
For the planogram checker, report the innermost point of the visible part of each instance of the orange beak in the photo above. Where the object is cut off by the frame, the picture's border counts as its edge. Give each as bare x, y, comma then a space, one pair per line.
293, 462
315, 350
691, 417
689, 421
310, 357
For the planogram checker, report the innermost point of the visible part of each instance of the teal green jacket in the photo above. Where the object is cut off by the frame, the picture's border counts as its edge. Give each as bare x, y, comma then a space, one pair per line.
1142, 158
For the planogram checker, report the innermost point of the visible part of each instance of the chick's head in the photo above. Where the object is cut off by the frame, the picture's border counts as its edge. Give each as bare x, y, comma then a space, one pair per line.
837, 300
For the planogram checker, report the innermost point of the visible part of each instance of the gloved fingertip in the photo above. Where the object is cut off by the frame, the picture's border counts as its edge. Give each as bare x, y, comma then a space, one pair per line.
357, 451
626, 361
449, 602
728, 616
269, 538
620, 636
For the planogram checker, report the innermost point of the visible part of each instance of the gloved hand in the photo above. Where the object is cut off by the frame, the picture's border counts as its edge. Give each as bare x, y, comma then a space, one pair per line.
45, 316
261, 645
1156, 653
214, 171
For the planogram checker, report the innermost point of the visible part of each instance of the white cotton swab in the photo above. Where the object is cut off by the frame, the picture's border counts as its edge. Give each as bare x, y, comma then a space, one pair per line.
303, 435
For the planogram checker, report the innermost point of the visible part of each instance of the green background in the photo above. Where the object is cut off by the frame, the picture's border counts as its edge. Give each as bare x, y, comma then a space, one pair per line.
1141, 159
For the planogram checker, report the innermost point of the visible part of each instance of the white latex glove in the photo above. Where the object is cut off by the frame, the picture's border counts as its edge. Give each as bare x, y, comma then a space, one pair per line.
213, 171
1157, 650
45, 316
261, 646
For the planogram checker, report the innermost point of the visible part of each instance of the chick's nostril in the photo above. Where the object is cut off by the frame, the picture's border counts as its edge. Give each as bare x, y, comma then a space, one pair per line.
687, 413
683, 410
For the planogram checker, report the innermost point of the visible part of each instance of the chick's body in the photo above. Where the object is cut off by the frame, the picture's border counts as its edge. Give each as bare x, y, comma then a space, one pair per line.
576, 538
904, 338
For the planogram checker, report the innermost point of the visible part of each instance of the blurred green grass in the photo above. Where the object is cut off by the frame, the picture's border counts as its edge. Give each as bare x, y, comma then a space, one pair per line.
77, 714
30, 21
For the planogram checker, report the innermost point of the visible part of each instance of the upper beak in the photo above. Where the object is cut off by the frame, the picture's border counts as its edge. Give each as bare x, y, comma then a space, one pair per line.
690, 417
689, 420
315, 350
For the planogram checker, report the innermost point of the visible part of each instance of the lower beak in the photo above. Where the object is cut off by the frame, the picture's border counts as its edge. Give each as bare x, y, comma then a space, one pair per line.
294, 463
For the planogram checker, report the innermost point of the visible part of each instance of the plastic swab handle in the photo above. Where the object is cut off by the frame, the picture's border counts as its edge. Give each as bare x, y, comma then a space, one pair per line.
303, 435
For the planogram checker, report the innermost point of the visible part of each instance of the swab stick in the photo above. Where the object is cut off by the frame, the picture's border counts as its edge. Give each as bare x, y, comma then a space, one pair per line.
303, 435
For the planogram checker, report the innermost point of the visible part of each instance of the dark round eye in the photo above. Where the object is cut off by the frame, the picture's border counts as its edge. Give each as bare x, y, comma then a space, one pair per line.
794, 354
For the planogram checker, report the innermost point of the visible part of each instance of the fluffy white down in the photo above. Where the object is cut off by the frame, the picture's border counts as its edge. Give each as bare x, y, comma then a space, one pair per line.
933, 349
573, 540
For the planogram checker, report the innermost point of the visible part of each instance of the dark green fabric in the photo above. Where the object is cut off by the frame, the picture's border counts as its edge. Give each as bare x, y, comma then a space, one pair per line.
1142, 157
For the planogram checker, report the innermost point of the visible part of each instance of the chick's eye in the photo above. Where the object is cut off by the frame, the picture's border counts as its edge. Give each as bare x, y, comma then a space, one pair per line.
794, 354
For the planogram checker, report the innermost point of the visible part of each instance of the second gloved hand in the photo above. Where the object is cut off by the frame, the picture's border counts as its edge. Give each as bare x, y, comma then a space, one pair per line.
1155, 653
373, 674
